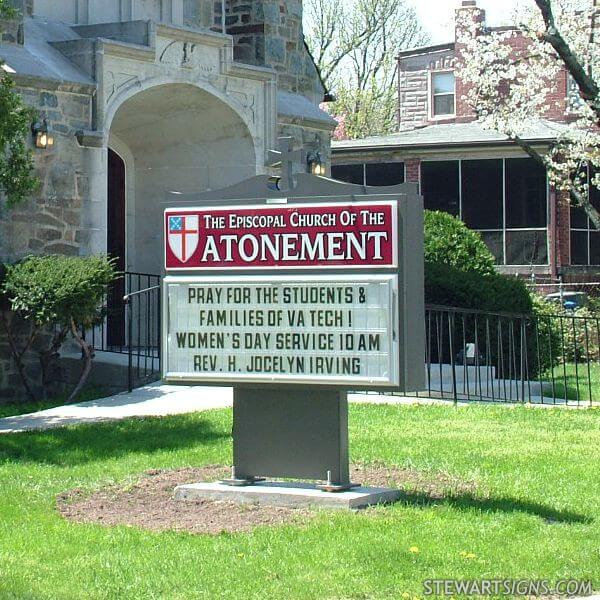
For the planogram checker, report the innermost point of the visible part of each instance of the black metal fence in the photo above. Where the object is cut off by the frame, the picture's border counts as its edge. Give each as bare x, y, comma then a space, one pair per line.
131, 325
503, 357
470, 355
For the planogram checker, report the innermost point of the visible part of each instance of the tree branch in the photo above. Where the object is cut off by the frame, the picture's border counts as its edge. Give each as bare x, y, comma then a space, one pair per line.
587, 86
87, 366
577, 198
18, 356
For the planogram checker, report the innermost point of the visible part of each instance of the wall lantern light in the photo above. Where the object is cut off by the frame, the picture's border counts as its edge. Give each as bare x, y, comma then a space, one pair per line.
315, 164
42, 134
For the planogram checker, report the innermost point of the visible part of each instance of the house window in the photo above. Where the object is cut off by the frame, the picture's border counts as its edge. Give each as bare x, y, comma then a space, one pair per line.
525, 194
349, 173
482, 201
440, 186
382, 174
482, 194
378, 174
585, 239
574, 100
505, 200
442, 94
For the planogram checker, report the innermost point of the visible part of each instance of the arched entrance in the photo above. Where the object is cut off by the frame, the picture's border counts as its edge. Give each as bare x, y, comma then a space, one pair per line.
179, 139
164, 141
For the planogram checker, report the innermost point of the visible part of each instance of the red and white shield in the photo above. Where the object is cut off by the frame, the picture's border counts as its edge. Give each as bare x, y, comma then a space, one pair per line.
183, 236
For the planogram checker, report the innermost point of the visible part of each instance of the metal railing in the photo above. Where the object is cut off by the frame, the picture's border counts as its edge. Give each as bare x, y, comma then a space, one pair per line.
503, 357
143, 335
130, 325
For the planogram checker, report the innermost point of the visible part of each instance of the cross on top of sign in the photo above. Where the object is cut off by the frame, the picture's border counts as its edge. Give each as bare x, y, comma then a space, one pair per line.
285, 157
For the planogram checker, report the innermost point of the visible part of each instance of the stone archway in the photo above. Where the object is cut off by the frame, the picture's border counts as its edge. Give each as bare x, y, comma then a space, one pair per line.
179, 139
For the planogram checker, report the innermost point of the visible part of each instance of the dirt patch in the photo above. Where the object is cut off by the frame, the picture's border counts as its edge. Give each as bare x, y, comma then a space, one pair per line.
149, 503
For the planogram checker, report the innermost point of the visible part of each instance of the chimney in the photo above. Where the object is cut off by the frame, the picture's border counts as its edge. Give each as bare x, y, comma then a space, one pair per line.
469, 23
469, 19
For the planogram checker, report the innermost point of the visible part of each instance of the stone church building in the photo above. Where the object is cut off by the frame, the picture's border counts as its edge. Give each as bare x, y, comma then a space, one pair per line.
146, 99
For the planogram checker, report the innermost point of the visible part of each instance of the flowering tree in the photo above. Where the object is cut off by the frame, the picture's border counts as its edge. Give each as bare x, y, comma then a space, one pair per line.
16, 162
508, 87
355, 46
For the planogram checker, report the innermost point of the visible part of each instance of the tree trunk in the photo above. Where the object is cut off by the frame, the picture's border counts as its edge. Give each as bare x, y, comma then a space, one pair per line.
87, 367
18, 355
47, 356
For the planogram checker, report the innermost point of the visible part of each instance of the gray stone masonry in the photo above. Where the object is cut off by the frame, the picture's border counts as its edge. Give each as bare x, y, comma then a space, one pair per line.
269, 33
413, 87
51, 222
11, 387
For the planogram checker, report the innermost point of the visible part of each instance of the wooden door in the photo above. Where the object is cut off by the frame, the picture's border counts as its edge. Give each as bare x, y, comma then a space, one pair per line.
116, 245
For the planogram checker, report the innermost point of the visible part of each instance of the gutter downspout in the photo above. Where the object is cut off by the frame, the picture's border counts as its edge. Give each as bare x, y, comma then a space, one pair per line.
553, 245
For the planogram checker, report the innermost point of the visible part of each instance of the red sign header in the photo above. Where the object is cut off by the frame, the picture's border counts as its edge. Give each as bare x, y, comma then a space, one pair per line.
291, 236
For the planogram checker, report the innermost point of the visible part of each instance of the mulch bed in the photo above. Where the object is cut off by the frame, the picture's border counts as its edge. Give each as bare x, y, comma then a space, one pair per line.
149, 503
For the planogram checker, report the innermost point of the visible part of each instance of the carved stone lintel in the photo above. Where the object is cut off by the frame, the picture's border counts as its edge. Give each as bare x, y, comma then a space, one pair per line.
90, 139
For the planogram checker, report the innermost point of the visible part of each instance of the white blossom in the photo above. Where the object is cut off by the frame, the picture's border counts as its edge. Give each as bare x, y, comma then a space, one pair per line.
509, 90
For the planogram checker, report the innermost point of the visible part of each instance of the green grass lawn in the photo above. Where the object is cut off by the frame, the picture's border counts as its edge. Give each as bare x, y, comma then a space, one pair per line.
534, 514
576, 382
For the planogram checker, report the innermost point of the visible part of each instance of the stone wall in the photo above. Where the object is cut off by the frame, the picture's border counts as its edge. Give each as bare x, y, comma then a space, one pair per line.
12, 31
269, 33
11, 385
51, 221
200, 13
307, 138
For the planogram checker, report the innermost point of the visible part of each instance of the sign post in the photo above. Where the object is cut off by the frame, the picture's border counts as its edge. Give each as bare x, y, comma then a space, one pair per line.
295, 298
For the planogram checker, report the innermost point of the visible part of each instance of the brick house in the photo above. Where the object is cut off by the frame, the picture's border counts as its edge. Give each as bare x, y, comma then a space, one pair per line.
478, 175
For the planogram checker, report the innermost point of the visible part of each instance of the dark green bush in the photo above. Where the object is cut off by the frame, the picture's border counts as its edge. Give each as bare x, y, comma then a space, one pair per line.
450, 242
449, 286
58, 289
460, 273
4, 303
56, 294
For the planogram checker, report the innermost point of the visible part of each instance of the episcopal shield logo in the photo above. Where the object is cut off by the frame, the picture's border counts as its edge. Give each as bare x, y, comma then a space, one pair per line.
183, 236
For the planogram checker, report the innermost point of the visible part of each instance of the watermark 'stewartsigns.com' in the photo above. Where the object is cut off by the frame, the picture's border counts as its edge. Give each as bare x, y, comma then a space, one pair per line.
507, 587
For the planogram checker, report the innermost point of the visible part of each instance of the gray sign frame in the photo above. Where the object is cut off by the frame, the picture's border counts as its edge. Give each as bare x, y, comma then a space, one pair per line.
308, 437
311, 190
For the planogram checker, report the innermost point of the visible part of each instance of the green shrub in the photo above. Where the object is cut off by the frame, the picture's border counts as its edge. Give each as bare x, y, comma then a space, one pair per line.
580, 335
58, 293
460, 273
449, 286
58, 289
450, 242
4, 303
546, 330
594, 306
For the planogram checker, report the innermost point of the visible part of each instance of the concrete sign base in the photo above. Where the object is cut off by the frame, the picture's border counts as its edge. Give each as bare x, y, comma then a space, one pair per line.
294, 495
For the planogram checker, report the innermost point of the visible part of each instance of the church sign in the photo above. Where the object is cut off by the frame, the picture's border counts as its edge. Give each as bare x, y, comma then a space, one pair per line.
294, 296
300, 236
337, 330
